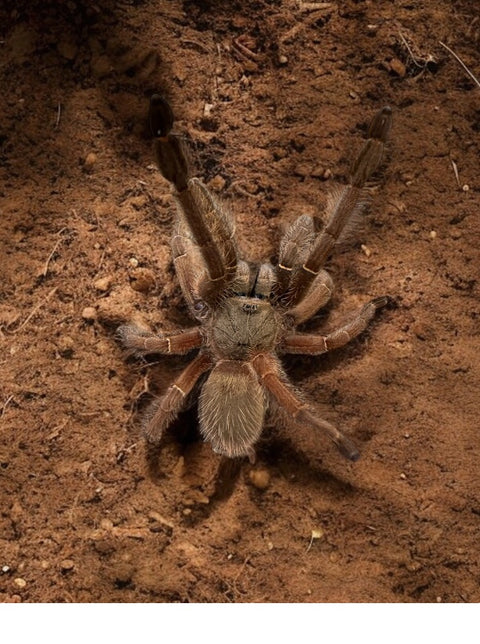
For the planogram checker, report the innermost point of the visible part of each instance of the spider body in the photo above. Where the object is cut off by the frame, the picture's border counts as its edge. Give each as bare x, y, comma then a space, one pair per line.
243, 327
247, 316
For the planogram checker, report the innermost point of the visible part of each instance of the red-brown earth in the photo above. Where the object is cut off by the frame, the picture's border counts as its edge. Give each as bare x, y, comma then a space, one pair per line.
276, 96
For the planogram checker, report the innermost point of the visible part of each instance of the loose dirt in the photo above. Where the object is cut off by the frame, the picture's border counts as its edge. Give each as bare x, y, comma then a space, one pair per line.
276, 96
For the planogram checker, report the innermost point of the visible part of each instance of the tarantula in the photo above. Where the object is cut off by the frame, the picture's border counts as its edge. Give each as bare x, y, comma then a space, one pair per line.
247, 314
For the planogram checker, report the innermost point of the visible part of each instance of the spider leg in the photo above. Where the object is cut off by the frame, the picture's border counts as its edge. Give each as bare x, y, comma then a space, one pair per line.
294, 248
164, 411
345, 204
317, 296
191, 272
211, 228
213, 231
268, 370
313, 344
141, 343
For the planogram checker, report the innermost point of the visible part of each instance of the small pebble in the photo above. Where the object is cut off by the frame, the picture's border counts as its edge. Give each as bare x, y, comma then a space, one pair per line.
413, 566
217, 183
67, 49
106, 524
366, 250
19, 582
403, 476
89, 314
466, 187
67, 564
433, 234
123, 572
156, 516
103, 284
408, 177
100, 66
207, 109
398, 67
104, 547
282, 60
260, 479
133, 261
327, 173
66, 346
142, 280
319, 533
5, 569
90, 161
302, 170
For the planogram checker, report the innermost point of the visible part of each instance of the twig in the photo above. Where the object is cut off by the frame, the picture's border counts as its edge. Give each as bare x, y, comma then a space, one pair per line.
409, 49
459, 60
5, 404
310, 543
35, 310
49, 258
56, 430
243, 50
316, 534
201, 47
295, 30
236, 578
314, 6
59, 111
238, 187
102, 257
455, 170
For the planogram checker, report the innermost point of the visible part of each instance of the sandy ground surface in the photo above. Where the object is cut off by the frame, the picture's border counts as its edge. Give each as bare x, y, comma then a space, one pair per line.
276, 96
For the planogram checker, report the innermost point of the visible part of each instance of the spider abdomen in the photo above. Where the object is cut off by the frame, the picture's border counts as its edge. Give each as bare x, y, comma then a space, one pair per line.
232, 408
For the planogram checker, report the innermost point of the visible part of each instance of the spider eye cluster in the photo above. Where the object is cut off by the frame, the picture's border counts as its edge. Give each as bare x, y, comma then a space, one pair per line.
249, 308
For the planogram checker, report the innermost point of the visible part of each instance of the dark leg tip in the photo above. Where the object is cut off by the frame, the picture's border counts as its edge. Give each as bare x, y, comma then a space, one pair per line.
381, 124
348, 450
380, 302
160, 116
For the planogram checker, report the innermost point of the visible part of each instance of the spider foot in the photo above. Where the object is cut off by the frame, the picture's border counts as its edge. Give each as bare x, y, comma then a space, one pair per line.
348, 449
160, 116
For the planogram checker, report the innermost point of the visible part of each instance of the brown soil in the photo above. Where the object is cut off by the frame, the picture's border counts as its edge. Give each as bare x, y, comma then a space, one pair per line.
87, 514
